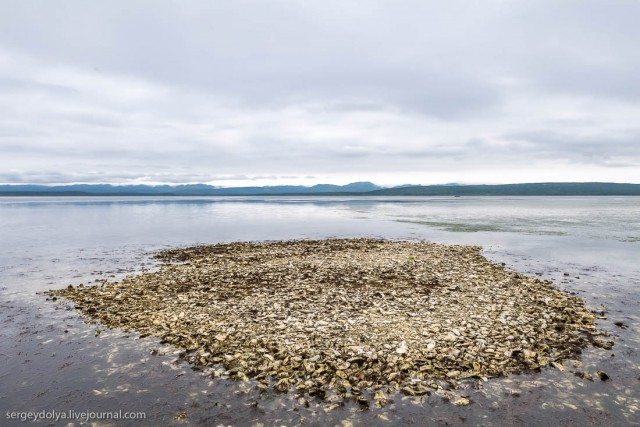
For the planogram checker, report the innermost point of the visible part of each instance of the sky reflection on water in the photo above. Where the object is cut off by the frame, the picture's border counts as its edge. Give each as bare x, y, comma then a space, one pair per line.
51, 359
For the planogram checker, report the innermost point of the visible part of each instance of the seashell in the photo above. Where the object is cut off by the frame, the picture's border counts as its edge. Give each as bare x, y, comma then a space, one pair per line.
408, 391
461, 401
341, 374
402, 348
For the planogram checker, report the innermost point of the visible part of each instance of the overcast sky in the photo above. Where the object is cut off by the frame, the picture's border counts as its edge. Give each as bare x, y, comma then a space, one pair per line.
279, 92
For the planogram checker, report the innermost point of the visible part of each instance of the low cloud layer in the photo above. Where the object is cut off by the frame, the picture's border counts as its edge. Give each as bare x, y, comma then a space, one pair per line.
253, 93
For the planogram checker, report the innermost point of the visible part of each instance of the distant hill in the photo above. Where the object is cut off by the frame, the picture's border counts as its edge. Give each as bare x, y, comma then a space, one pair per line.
537, 189
353, 189
181, 190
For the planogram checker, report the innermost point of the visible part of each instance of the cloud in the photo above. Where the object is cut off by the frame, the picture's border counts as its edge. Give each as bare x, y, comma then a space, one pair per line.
48, 177
616, 149
275, 92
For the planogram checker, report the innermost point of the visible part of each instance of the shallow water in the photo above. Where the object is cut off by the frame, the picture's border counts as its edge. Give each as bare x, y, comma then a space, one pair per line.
52, 360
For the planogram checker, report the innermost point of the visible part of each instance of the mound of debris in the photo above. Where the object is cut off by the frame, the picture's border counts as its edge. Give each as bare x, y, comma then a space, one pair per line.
345, 317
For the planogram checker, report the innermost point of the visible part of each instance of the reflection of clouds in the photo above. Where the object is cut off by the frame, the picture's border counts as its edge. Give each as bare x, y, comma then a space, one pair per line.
603, 218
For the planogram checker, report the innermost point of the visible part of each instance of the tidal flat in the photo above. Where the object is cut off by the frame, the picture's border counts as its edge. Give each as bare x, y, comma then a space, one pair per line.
53, 359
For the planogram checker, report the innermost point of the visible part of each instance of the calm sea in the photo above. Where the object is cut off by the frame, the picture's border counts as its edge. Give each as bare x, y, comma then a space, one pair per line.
50, 359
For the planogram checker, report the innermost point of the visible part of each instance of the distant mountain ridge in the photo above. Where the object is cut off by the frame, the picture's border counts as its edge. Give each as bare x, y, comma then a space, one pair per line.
353, 189
532, 189
182, 190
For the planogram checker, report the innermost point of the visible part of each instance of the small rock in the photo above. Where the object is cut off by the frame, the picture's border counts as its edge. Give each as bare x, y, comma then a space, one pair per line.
362, 401
599, 342
461, 401
584, 375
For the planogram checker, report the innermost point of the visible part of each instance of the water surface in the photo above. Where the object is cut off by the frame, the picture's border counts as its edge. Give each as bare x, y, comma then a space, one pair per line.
51, 359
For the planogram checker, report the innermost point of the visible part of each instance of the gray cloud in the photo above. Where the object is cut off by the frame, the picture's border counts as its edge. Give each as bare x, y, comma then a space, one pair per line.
611, 149
47, 177
396, 92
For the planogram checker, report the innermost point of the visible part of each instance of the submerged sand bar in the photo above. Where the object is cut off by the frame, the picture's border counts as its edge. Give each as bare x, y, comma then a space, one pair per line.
345, 316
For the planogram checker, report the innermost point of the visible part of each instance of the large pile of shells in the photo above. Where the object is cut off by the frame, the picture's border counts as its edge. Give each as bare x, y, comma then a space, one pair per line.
345, 317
